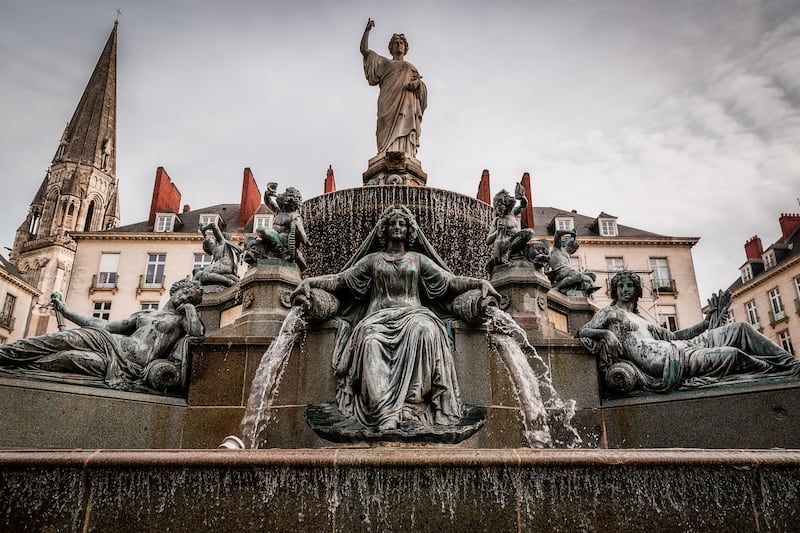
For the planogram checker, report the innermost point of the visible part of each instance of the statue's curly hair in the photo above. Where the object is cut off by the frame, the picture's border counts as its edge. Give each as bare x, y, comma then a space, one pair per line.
505, 197
411, 224
637, 282
187, 283
400, 36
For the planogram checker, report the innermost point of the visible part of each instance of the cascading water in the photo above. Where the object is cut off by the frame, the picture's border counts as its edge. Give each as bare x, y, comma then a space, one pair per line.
540, 406
268, 377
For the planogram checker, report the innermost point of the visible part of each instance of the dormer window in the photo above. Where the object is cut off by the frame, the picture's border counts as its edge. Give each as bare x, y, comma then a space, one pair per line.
747, 273
769, 259
165, 222
209, 219
565, 223
608, 227
262, 221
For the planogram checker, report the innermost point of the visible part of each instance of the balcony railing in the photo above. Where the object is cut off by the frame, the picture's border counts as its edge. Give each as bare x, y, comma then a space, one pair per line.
776, 316
7, 321
663, 285
98, 285
156, 285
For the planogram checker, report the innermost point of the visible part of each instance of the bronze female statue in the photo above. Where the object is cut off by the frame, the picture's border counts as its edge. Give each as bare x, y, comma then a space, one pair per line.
393, 360
636, 353
403, 96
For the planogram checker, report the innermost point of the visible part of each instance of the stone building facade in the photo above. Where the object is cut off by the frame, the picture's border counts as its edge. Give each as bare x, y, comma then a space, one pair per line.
767, 292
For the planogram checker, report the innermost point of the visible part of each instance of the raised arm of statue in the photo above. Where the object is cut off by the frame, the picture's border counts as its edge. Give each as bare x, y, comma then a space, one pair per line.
365, 38
117, 326
269, 197
522, 201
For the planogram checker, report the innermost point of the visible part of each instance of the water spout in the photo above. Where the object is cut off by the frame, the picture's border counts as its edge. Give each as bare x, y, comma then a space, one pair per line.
268, 377
540, 406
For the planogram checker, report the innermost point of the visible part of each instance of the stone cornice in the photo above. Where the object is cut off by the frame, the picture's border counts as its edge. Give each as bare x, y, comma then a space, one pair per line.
19, 283
137, 236
638, 241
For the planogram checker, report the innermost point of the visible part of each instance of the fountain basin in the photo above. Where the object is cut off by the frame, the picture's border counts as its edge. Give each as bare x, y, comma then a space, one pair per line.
391, 489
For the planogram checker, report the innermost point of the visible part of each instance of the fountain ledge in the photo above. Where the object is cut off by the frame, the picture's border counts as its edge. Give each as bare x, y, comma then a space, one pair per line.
415, 457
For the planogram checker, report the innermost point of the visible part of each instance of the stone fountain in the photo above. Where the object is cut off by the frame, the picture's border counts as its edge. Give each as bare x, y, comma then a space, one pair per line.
535, 440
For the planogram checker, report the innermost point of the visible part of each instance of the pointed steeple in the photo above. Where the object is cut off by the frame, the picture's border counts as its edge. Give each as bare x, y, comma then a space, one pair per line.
90, 137
79, 191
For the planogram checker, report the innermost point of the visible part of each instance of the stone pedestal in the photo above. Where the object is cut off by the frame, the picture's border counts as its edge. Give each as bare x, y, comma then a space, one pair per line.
259, 306
526, 289
395, 168
576, 310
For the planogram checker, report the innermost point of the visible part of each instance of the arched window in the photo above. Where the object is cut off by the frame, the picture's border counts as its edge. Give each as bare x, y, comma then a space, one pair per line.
36, 216
87, 226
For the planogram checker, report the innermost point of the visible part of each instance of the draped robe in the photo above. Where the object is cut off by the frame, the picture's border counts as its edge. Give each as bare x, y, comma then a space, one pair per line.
399, 110
395, 366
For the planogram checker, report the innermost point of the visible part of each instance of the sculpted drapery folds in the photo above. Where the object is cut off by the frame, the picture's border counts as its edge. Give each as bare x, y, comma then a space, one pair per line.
403, 95
636, 353
393, 359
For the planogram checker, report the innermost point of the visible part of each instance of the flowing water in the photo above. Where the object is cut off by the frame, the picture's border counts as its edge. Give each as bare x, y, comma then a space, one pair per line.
268, 377
545, 416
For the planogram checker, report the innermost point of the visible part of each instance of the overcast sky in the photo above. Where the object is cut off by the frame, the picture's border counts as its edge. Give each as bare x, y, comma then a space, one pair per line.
679, 117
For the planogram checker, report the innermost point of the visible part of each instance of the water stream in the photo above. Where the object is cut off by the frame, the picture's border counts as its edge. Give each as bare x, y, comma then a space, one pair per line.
546, 418
268, 377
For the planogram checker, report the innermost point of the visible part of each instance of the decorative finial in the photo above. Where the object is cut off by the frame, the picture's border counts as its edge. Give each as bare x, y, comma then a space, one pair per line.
119, 14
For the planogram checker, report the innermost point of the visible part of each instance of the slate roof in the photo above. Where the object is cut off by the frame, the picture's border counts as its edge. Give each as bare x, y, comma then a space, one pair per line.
584, 225
190, 220
785, 250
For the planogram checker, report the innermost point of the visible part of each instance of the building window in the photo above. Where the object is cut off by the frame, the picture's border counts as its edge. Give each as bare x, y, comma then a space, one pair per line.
147, 306
608, 227
797, 286
667, 317
262, 221
575, 262
776, 305
747, 273
662, 282
109, 264
7, 315
3, 340
769, 259
752, 313
201, 261
102, 310
164, 223
208, 219
155, 270
614, 264
565, 223
786, 341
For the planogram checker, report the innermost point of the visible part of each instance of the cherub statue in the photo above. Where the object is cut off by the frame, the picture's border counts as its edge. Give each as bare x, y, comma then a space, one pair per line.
562, 274
287, 234
506, 235
224, 258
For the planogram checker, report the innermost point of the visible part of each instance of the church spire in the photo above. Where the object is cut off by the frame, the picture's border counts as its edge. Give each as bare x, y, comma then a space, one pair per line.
79, 190
90, 137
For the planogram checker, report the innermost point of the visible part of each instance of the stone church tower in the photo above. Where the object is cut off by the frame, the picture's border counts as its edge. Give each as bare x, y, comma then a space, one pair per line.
79, 191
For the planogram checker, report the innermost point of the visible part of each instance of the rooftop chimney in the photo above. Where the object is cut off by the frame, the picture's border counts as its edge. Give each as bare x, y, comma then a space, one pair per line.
251, 198
527, 214
166, 196
330, 183
789, 223
484, 193
752, 248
